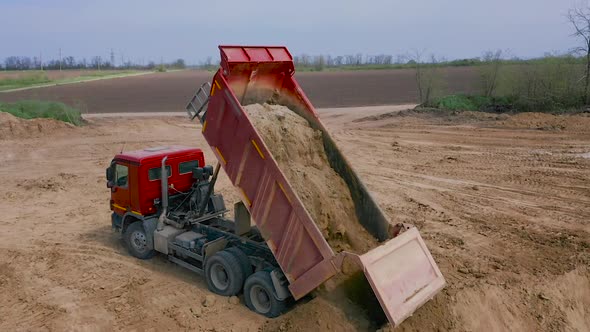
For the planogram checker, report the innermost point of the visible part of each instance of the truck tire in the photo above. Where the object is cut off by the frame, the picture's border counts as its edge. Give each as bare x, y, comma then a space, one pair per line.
244, 261
224, 274
260, 297
137, 242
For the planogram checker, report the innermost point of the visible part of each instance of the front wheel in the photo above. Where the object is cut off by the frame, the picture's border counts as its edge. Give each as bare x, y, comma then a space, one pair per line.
260, 297
136, 241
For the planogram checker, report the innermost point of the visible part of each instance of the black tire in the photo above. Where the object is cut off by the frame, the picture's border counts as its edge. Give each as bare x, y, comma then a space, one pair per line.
136, 241
224, 275
260, 297
244, 261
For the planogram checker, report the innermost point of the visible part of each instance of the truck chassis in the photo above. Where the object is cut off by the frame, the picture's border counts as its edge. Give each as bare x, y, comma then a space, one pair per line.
231, 254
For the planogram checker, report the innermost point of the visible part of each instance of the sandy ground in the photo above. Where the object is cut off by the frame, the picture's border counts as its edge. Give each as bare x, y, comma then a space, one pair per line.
502, 202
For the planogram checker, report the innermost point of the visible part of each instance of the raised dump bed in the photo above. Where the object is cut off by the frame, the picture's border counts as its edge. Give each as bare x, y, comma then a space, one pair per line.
400, 271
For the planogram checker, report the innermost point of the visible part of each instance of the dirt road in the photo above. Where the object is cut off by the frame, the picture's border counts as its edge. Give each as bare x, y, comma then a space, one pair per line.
502, 202
57, 74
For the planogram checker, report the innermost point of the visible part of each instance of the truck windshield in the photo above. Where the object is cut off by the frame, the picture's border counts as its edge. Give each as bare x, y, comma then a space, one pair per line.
121, 173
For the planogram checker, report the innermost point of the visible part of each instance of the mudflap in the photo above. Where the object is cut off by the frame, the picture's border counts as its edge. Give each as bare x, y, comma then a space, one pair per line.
402, 274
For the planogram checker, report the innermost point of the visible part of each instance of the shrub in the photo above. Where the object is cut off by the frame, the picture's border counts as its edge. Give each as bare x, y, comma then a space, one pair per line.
161, 69
475, 103
456, 103
30, 109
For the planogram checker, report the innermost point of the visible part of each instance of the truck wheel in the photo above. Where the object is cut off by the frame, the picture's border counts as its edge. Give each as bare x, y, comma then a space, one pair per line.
259, 295
136, 241
224, 274
244, 260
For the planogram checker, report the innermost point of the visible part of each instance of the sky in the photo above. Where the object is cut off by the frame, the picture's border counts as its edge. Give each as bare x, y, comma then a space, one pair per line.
153, 30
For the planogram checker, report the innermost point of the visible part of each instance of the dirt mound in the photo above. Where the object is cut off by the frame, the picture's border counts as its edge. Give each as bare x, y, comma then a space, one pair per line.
434, 114
379, 117
316, 315
299, 150
12, 127
544, 121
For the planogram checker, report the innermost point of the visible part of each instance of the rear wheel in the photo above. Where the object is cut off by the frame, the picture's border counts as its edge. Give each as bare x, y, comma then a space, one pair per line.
224, 274
245, 263
136, 241
260, 297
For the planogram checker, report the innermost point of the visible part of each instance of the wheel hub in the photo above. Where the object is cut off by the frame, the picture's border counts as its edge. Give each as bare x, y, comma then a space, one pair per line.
138, 241
260, 299
219, 277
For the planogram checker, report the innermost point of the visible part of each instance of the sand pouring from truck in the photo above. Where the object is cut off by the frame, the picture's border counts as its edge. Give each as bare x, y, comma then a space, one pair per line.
288, 235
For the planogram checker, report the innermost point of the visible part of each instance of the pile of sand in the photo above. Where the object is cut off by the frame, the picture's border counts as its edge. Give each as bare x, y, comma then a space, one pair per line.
12, 127
544, 121
299, 151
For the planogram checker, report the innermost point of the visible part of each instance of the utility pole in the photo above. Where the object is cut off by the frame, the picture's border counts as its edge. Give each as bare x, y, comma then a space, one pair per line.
41, 60
112, 58
60, 59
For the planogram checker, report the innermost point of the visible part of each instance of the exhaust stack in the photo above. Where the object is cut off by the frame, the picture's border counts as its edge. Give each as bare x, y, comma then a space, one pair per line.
164, 180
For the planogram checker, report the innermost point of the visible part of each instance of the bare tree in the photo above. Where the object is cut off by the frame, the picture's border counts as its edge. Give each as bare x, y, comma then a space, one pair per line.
428, 76
579, 17
489, 71
319, 63
329, 61
416, 59
358, 59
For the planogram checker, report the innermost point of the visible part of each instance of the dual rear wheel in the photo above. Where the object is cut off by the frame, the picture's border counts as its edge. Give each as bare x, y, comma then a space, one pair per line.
229, 271
260, 295
225, 273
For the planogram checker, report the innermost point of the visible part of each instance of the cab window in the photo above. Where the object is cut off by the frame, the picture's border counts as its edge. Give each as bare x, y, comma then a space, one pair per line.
121, 175
187, 166
156, 173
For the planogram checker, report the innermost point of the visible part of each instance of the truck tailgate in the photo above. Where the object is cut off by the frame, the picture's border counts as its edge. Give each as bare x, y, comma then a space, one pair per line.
403, 275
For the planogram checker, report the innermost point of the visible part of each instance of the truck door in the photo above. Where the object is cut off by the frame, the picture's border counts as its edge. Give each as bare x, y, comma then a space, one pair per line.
120, 193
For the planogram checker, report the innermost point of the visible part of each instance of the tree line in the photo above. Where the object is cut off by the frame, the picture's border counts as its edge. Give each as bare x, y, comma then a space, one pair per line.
360, 61
555, 82
69, 62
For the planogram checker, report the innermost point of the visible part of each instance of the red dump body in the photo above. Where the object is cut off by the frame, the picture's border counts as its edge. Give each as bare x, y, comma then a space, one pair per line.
258, 74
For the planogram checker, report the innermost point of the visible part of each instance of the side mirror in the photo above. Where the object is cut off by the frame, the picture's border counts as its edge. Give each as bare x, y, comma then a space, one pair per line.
110, 184
110, 173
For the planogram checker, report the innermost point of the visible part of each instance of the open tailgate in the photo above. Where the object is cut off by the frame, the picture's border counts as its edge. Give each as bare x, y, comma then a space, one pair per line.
403, 275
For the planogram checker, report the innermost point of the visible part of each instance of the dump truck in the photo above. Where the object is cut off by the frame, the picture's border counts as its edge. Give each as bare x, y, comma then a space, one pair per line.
271, 251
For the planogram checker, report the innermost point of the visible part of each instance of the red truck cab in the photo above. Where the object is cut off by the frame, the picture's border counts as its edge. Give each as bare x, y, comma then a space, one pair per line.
134, 177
